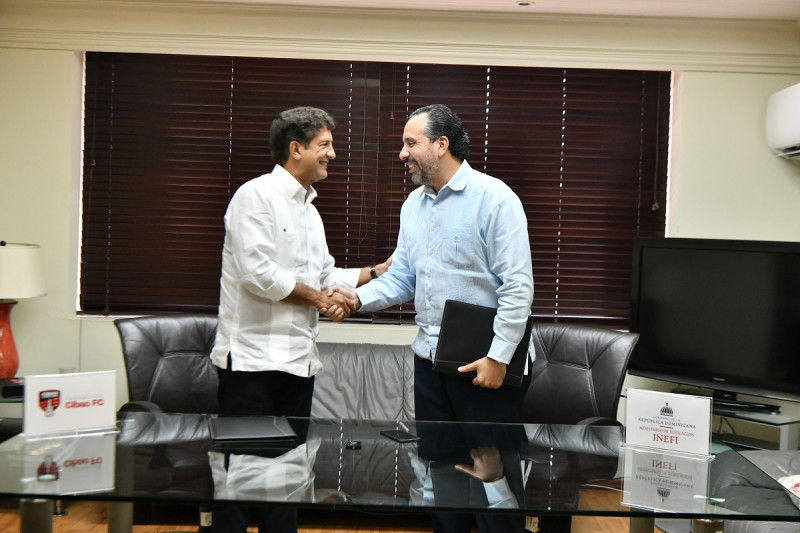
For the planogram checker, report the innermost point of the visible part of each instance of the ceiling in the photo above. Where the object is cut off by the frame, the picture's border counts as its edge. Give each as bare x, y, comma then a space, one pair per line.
733, 9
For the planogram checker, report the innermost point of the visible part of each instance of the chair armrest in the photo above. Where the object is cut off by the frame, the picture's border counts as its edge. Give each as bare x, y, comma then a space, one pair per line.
141, 406
142, 429
599, 421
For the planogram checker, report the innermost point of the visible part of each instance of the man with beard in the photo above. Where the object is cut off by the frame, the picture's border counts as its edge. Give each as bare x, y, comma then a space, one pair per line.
463, 236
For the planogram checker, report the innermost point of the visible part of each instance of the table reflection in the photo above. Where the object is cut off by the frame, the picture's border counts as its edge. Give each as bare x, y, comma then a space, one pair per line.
68, 465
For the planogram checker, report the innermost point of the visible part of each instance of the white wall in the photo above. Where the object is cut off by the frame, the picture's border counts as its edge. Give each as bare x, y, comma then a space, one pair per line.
725, 182
39, 169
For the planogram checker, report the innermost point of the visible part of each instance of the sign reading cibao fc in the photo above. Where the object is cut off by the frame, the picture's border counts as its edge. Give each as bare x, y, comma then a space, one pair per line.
57, 403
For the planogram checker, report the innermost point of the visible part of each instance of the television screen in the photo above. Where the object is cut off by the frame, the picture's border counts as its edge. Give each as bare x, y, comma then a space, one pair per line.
718, 314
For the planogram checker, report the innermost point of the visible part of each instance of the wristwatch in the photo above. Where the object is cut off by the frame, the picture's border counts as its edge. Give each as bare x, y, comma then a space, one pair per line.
372, 273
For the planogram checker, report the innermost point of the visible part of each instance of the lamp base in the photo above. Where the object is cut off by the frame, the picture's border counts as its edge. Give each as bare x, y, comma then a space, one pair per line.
9, 359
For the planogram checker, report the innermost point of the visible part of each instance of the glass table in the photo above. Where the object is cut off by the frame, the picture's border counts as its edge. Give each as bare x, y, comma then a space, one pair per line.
533, 470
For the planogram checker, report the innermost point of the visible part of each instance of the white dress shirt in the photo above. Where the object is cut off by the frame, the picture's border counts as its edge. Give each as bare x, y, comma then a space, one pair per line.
274, 239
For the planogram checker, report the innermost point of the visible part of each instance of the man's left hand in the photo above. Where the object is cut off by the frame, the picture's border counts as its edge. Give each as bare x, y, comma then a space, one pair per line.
491, 373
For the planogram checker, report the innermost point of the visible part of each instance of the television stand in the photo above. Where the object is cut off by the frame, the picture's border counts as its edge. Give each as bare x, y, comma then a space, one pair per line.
749, 443
727, 402
763, 415
787, 428
720, 404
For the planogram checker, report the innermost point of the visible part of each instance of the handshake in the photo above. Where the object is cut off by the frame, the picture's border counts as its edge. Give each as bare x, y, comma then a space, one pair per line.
338, 303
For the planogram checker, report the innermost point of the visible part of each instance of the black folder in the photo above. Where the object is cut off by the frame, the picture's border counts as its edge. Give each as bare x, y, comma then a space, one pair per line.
251, 429
466, 335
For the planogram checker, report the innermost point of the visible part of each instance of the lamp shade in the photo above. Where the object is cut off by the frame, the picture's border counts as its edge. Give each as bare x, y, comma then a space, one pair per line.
21, 272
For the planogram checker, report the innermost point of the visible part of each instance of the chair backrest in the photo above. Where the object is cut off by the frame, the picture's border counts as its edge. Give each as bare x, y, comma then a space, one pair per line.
578, 373
364, 381
167, 361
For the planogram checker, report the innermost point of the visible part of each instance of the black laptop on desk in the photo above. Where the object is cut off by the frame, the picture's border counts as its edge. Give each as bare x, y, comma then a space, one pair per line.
236, 430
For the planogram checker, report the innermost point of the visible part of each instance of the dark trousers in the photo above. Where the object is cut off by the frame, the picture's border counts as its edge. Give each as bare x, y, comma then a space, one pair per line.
446, 397
264, 393
439, 396
261, 393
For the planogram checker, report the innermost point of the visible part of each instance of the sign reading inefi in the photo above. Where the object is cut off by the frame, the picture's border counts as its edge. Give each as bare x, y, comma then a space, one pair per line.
667, 421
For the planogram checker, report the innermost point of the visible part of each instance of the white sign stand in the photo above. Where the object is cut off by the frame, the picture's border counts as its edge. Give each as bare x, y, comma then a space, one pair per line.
666, 451
72, 464
59, 404
667, 421
666, 481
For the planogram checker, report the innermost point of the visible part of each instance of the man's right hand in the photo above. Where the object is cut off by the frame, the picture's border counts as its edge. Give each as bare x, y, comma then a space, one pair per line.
335, 305
347, 294
487, 464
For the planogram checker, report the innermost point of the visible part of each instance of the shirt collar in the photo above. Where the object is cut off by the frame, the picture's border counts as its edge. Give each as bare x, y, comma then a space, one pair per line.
458, 182
291, 187
460, 179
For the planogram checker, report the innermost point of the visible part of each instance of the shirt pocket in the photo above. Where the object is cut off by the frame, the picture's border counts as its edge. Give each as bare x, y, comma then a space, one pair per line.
459, 247
290, 249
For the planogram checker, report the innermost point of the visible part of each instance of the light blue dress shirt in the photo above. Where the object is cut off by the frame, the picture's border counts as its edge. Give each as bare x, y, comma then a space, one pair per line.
468, 243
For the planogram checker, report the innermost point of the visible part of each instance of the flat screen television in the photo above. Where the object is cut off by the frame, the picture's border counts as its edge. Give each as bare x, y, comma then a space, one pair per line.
718, 314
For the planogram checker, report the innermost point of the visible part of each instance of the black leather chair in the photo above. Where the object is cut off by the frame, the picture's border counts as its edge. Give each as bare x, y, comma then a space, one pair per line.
747, 482
169, 370
167, 363
577, 375
576, 379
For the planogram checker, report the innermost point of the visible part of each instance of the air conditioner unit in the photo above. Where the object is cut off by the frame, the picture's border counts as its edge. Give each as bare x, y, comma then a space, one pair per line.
783, 123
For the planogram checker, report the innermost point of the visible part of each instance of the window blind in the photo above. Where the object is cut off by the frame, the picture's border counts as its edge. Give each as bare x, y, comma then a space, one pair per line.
168, 140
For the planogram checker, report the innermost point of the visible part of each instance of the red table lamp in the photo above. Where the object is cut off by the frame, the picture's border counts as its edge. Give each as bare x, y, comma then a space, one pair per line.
21, 276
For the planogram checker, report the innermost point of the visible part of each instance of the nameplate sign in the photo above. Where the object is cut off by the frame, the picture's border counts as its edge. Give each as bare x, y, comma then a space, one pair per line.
667, 421
68, 403
665, 481
69, 465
